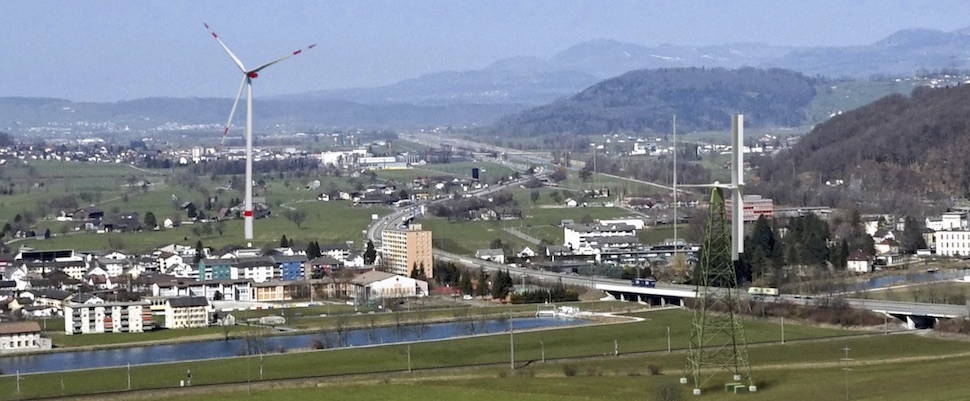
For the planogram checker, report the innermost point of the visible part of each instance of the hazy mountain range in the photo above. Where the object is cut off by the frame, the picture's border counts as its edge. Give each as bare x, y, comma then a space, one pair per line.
481, 97
534, 80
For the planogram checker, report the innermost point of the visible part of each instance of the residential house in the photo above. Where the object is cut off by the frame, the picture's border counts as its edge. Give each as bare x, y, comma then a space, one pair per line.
494, 255
859, 262
22, 337
107, 317
526, 253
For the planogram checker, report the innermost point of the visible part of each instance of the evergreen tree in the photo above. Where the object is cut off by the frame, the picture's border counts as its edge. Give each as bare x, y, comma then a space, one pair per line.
370, 254
912, 236
190, 211
150, 221
47, 233
284, 242
199, 252
312, 250
482, 289
466, 282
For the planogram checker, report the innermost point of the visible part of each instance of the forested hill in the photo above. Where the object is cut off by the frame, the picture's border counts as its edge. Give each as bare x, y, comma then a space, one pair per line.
644, 101
898, 150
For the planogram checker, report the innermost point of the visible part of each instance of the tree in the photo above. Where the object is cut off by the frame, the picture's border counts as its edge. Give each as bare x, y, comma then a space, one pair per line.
417, 272
370, 254
199, 252
296, 216
190, 211
502, 284
313, 250
47, 233
559, 175
482, 289
912, 235
466, 282
534, 195
586, 173
284, 242
150, 220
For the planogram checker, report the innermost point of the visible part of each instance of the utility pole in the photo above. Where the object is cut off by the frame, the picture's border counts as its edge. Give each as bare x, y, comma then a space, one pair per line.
18, 382
668, 339
260, 366
675, 183
542, 351
782, 329
129, 375
409, 358
616, 347
511, 343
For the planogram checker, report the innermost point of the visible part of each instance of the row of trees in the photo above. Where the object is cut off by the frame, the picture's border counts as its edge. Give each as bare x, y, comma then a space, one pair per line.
811, 241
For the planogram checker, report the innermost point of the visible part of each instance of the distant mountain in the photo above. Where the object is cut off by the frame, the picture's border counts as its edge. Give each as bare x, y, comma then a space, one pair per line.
893, 153
18, 115
644, 100
607, 58
902, 53
509, 81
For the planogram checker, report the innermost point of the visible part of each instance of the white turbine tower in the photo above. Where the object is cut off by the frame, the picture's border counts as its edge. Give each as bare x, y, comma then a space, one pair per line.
736, 186
247, 82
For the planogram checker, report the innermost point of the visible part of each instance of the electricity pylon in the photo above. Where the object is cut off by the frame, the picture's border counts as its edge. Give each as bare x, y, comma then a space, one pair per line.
717, 331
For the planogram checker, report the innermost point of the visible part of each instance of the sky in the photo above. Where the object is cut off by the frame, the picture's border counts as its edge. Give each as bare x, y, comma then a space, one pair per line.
116, 50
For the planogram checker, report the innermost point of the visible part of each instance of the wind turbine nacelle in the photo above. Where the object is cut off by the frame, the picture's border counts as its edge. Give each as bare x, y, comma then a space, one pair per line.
252, 74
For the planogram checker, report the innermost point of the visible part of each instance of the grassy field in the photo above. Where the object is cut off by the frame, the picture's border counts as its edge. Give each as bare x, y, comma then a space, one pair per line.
889, 375
327, 222
647, 335
954, 293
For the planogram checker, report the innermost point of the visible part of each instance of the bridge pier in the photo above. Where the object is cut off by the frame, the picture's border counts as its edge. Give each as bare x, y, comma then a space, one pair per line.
910, 324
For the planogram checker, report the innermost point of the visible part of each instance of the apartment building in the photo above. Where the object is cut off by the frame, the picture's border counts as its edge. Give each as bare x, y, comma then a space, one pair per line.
405, 249
185, 312
107, 317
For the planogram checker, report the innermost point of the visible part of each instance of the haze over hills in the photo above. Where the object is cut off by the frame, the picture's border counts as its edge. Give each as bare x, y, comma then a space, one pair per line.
644, 100
891, 151
510, 85
535, 80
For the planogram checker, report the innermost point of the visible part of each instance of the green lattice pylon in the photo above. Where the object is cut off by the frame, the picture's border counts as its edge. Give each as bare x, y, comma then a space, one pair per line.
717, 332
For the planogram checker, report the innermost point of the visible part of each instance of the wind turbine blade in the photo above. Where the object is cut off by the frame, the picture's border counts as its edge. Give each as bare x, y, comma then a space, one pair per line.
295, 52
232, 112
226, 48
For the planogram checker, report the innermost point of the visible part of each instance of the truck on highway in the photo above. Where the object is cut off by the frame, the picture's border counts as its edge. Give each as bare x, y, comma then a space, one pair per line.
763, 292
643, 282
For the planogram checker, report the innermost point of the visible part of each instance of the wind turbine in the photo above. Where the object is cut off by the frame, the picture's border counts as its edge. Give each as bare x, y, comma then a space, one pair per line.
247, 82
735, 187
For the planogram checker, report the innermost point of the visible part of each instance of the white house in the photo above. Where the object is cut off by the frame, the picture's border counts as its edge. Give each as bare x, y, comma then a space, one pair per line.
859, 262
494, 255
22, 336
526, 253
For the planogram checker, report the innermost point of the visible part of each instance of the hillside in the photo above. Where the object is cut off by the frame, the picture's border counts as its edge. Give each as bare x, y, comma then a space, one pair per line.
645, 100
893, 153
